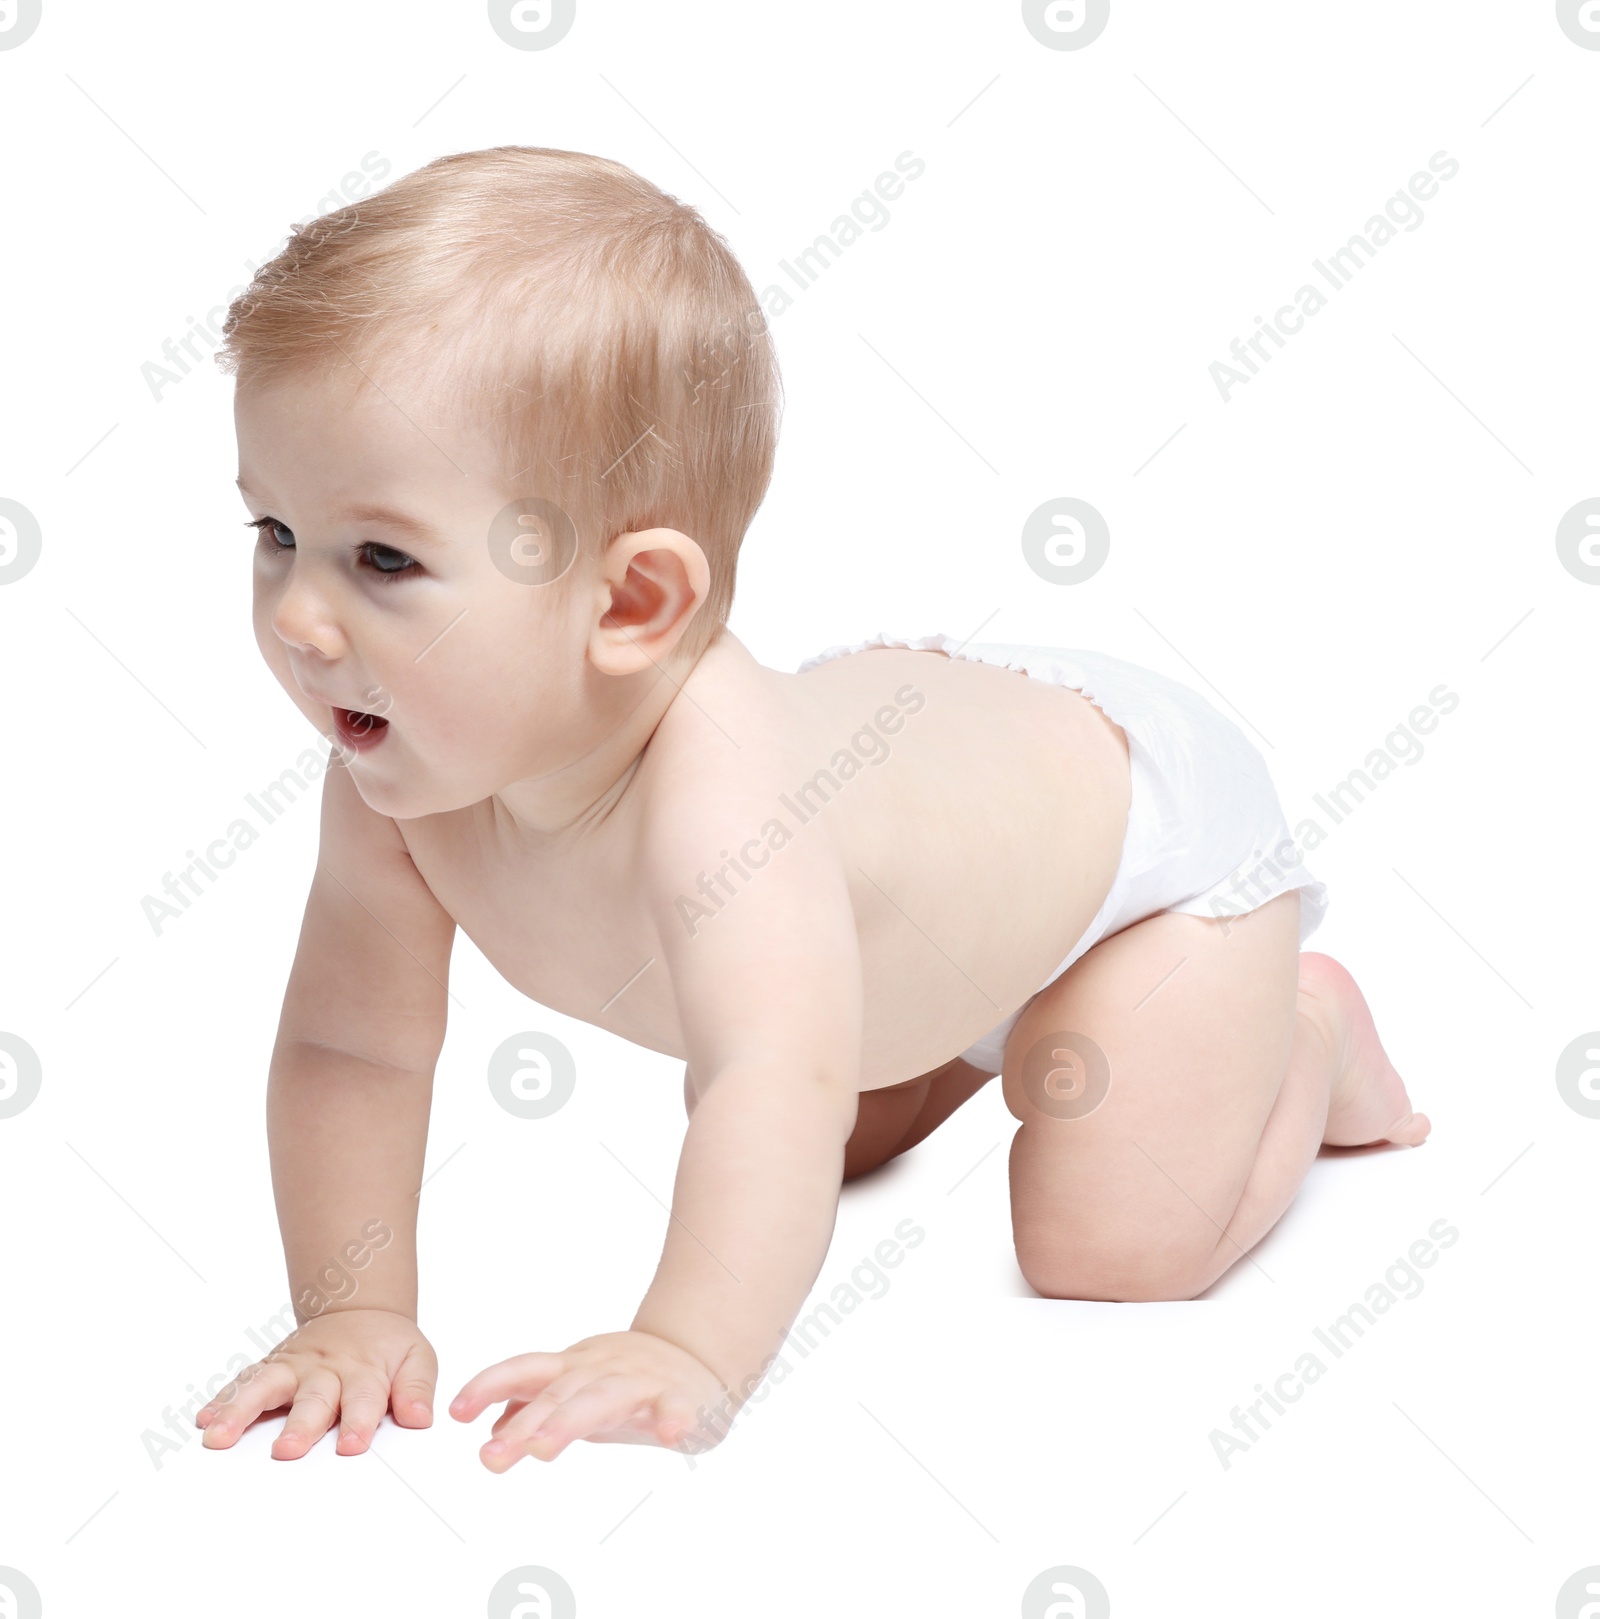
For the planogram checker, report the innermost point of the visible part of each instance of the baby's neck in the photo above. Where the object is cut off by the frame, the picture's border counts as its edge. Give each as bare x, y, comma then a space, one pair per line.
609, 742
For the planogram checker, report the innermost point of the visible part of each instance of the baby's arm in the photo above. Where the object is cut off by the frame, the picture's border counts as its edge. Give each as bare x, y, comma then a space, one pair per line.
348, 1095
769, 999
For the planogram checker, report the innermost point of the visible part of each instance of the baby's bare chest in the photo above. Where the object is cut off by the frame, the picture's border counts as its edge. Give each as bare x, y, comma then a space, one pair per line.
574, 933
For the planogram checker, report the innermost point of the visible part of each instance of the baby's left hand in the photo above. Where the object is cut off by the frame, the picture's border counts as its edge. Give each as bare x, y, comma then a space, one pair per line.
619, 1387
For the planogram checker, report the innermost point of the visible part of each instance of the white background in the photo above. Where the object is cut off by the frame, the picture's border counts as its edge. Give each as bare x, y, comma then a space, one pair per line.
1373, 515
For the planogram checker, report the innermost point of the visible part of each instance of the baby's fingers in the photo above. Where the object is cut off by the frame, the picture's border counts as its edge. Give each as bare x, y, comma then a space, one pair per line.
512, 1407
414, 1383
601, 1404
362, 1403
522, 1375
269, 1385
312, 1414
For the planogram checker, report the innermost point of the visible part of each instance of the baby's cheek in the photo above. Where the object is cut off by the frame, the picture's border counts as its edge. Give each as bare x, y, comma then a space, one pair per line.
475, 733
268, 643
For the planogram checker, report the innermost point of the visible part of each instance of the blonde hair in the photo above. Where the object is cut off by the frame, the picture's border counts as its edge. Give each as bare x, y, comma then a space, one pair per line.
597, 328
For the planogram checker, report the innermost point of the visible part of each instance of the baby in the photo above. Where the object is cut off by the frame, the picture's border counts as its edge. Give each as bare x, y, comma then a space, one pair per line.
502, 428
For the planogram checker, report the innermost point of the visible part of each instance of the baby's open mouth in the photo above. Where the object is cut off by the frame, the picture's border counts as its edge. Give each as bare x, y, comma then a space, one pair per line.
358, 730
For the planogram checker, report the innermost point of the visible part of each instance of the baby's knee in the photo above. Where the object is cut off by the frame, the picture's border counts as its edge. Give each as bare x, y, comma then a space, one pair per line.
1116, 1272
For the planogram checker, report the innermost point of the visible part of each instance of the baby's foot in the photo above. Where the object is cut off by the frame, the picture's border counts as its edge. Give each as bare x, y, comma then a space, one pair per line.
1368, 1100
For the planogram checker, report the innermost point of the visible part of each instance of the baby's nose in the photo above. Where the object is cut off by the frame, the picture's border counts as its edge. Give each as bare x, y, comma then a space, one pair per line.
301, 620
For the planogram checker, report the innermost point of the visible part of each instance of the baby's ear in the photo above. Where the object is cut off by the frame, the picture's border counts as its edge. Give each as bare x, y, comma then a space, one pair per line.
652, 582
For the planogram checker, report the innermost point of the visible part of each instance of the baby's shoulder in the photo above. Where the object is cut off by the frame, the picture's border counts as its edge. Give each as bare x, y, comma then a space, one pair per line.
731, 730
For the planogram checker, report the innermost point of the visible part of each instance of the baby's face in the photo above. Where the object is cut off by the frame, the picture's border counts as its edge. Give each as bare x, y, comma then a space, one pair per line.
378, 592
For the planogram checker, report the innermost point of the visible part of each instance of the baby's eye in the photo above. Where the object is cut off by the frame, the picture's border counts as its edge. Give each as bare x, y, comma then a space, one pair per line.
382, 559
273, 533
386, 560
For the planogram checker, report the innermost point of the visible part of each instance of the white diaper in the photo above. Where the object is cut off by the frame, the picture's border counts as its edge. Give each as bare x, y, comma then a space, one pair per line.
1206, 834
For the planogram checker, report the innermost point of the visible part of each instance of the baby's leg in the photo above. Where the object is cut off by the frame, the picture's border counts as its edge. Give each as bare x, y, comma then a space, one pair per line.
1231, 1059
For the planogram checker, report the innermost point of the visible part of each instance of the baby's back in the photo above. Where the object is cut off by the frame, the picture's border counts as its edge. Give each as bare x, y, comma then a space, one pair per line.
981, 842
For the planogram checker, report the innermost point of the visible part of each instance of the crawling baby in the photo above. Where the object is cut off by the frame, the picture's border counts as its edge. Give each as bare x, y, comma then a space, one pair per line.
502, 428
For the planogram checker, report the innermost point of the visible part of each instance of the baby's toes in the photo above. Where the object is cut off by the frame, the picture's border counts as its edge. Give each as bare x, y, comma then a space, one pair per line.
1411, 1131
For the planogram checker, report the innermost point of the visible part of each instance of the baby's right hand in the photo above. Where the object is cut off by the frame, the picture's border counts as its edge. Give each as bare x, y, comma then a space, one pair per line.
348, 1364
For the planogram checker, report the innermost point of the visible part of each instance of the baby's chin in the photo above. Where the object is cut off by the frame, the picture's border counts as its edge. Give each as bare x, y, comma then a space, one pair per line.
403, 800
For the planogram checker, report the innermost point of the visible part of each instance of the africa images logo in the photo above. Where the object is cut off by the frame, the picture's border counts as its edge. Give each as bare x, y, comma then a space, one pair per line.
1580, 22
18, 19
1066, 25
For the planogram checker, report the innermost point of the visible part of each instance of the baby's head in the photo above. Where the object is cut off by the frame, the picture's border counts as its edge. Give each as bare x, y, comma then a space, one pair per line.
502, 427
